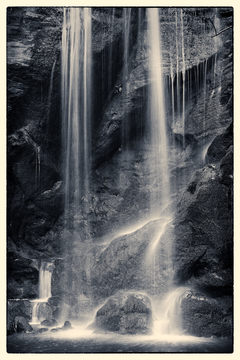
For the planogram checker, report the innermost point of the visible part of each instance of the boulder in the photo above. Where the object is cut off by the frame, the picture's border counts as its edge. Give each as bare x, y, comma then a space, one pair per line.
49, 323
67, 325
56, 329
206, 316
41, 330
125, 313
21, 325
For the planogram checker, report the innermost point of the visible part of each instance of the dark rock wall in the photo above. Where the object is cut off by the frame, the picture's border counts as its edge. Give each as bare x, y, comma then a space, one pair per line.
203, 190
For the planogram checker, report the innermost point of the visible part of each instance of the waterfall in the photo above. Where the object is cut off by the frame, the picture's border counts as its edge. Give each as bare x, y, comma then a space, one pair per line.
45, 276
76, 112
37, 165
111, 64
50, 91
39, 309
183, 80
167, 312
204, 94
126, 33
76, 73
177, 60
157, 116
166, 299
160, 197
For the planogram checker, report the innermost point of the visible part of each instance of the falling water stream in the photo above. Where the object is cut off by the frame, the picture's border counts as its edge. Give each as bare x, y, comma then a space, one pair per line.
39, 305
50, 91
76, 110
76, 91
183, 79
37, 165
76, 129
125, 85
159, 138
158, 128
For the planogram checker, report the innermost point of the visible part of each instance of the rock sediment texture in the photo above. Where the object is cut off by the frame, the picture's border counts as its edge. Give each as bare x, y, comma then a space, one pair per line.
125, 313
120, 188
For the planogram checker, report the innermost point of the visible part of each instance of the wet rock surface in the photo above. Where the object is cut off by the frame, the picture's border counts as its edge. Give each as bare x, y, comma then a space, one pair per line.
120, 192
22, 325
126, 313
203, 227
120, 264
206, 316
18, 308
49, 323
23, 277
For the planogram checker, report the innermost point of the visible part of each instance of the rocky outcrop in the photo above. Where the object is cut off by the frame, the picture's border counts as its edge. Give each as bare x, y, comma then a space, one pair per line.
21, 325
125, 313
120, 184
121, 264
23, 277
203, 226
18, 310
66, 326
219, 146
206, 316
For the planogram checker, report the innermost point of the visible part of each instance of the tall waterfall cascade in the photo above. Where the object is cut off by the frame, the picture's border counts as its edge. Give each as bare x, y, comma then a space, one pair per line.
158, 127
76, 97
167, 310
76, 109
120, 181
167, 98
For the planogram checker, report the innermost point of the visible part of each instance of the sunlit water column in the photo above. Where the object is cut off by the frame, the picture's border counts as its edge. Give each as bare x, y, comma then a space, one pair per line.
76, 135
76, 112
166, 299
158, 126
158, 157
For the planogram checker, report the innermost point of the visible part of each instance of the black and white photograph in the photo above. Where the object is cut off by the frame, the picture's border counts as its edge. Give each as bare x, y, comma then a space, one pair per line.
119, 180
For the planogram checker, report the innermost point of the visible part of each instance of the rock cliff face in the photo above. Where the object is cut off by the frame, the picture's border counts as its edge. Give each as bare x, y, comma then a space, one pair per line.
101, 261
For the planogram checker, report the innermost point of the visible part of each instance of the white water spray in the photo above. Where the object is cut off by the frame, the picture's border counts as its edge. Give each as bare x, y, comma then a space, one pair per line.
167, 312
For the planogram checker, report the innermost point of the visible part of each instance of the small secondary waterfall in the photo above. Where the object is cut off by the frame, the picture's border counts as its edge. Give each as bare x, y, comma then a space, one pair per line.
76, 111
37, 165
50, 91
39, 305
167, 312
